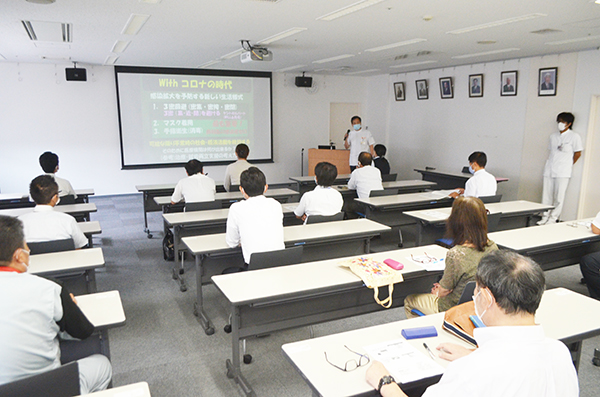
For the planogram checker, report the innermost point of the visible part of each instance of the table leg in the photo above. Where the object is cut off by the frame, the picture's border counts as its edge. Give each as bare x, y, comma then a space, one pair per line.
90, 276
104, 345
209, 329
233, 366
367, 245
146, 229
575, 349
90, 242
419, 238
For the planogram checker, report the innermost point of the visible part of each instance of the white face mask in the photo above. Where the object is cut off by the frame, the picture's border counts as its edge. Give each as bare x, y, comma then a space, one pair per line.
475, 304
562, 127
471, 170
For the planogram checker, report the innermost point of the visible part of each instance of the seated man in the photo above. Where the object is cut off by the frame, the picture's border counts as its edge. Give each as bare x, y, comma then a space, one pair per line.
255, 223
380, 161
590, 265
365, 177
49, 163
323, 200
514, 357
44, 223
196, 187
34, 311
234, 170
482, 183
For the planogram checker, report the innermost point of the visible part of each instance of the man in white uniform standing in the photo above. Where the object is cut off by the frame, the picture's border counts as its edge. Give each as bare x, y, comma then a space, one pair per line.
358, 141
565, 149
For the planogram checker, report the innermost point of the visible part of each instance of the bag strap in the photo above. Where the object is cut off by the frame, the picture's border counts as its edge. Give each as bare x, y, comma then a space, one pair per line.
387, 302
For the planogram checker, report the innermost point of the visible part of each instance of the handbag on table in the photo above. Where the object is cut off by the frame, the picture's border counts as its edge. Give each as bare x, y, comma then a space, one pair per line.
375, 274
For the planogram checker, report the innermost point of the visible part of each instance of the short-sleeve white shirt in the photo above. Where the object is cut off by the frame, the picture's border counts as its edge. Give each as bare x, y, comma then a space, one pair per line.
320, 201
233, 172
194, 189
257, 224
596, 220
365, 179
510, 361
64, 186
481, 184
562, 147
44, 223
359, 141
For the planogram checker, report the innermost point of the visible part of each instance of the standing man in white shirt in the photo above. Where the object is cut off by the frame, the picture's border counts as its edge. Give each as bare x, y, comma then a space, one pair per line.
255, 223
44, 223
196, 187
514, 357
49, 163
565, 149
482, 183
358, 141
366, 177
323, 200
234, 170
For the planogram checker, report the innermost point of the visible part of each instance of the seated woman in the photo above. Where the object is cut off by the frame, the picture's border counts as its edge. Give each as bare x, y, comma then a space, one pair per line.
467, 226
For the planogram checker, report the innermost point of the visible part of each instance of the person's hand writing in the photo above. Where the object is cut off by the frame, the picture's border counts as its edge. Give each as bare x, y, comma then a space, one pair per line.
451, 351
73, 298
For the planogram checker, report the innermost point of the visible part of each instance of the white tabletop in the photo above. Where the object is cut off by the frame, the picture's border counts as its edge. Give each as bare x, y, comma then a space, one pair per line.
207, 244
162, 186
15, 196
208, 216
82, 259
237, 195
308, 355
140, 389
92, 227
85, 192
103, 309
410, 198
506, 207
311, 178
540, 236
257, 285
413, 183
67, 208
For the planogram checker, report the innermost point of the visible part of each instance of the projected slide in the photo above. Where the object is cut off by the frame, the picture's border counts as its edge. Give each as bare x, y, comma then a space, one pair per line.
170, 116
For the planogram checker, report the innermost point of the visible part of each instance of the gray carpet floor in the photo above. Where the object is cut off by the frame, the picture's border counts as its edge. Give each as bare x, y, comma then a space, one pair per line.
164, 345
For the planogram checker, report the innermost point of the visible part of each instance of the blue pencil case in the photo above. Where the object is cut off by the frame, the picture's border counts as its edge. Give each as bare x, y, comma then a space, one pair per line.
419, 332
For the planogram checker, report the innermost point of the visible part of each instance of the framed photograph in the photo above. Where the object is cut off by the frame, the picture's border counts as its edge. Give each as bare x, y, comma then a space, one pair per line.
399, 91
422, 89
547, 82
508, 83
446, 88
476, 86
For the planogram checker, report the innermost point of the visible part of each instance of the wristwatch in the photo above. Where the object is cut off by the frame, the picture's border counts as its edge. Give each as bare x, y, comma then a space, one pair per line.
385, 380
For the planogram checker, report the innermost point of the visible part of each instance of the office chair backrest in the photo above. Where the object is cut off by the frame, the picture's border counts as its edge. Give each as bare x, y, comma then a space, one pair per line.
324, 218
265, 260
385, 192
235, 188
389, 177
44, 247
493, 221
491, 199
203, 205
467, 294
68, 199
60, 382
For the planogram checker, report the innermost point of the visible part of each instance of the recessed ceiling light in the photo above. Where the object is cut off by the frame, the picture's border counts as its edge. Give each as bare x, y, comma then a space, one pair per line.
209, 63
486, 42
111, 60
404, 65
135, 23
496, 23
120, 46
41, 1
334, 58
586, 38
279, 36
291, 68
348, 9
394, 45
150, 1
363, 71
479, 54
49, 31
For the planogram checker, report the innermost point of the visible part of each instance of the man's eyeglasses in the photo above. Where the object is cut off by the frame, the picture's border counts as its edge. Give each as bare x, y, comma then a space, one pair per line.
351, 364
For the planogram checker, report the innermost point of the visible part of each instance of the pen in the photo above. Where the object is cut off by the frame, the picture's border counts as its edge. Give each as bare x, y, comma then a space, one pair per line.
429, 351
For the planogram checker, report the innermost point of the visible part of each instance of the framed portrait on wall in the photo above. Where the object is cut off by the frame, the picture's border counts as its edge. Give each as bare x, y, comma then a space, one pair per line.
422, 89
476, 85
547, 82
446, 88
399, 91
508, 83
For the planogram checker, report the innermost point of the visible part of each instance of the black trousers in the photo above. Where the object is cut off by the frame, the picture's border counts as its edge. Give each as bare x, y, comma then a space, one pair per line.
590, 268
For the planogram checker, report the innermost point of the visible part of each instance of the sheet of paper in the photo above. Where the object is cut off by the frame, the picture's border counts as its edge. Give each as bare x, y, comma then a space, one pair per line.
403, 360
436, 214
439, 194
290, 207
429, 263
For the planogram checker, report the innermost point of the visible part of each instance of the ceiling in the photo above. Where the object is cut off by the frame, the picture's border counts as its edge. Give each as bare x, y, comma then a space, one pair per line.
424, 34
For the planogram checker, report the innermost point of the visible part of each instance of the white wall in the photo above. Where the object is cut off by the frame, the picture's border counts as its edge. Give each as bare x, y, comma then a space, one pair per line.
40, 111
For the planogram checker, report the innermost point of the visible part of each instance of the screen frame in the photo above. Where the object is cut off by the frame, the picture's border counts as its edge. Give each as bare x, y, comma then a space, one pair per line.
194, 72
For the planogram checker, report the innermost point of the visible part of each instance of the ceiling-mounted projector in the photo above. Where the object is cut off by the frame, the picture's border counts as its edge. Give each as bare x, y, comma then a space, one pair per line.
256, 55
